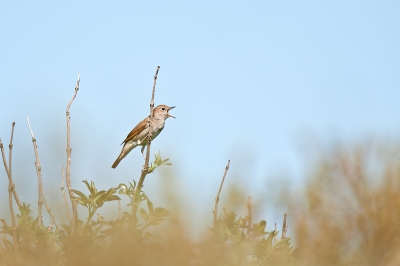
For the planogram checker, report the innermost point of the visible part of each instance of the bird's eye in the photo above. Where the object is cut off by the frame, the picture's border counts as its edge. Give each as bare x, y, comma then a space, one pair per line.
163, 109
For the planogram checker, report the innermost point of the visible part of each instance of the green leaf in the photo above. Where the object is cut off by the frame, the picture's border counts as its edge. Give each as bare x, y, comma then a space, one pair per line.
159, 215
83, 202
269, 240
97, 197
150, 207
80, 194
88, 186
114, 197
144, 215
93, 189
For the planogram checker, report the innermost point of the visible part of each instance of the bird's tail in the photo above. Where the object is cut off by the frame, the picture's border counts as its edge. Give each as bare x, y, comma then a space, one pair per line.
125, 150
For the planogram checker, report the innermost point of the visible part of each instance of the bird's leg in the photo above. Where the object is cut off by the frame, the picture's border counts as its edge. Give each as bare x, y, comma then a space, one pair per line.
141, 150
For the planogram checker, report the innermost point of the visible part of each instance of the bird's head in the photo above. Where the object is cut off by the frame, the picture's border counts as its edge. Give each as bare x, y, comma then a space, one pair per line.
162, 111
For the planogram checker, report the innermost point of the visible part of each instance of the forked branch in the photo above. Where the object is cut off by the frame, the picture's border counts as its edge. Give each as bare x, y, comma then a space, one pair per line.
11, 186
8, 172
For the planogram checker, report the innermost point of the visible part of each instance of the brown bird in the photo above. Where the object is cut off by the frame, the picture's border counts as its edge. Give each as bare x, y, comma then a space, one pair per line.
138, 135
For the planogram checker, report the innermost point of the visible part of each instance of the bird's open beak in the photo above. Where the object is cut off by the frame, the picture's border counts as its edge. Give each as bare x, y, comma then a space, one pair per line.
168, 115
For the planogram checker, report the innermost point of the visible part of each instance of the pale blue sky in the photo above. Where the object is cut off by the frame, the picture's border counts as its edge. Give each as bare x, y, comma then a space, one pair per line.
258, 82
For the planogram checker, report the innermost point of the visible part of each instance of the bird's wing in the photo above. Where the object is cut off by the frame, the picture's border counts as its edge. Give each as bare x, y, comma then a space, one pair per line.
136, 130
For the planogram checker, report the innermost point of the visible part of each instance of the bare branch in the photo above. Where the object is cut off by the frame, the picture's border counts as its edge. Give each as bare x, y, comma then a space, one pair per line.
275, 237
10, 147
119, 210
249, 208
8, 174
42, 198
219, 192
11, 186
4, 158
39, 174
135, 201
72, 197
284, 226
10, 166
65, 197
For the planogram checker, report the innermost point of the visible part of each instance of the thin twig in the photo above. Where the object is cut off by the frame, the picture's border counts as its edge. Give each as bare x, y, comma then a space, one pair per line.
72, 197
119, 210
219, 192
7, 168
275, 237
39, 174
284, 226
11, 185
135, 203
5, 161
10, 147
65, 197
4, 158
11, 188
42, 198
249, 208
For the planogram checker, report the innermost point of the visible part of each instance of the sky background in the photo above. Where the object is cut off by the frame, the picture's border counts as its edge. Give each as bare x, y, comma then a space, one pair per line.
258, 82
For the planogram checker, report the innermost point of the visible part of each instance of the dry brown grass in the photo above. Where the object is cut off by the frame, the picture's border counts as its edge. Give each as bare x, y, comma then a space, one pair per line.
350, 210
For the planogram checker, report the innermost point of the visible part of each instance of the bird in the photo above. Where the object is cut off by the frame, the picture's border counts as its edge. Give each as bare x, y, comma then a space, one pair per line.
138, 135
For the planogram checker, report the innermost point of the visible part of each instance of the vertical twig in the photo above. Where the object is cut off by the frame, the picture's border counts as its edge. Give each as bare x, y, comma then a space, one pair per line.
11, 185
72, 197
42, 198
64, 196
119, 210
9, 168
249, 208
10, 152
11, 188
219, 192
136, 198
39, 174
10, 174
275, 237
284, 226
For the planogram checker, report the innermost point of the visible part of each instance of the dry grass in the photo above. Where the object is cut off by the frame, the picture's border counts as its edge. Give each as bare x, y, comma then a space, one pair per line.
350, 211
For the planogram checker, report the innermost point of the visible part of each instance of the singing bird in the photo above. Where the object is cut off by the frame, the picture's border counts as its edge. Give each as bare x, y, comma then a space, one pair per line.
138, 135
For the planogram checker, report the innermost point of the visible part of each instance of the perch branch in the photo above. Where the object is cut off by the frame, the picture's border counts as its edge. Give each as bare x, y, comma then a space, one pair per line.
136, 199
219, 192
72, 197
